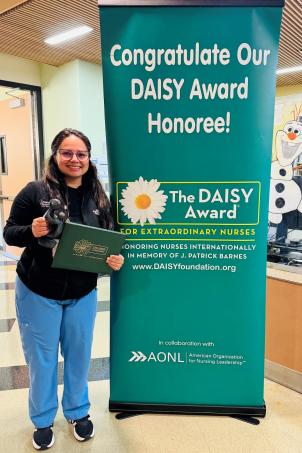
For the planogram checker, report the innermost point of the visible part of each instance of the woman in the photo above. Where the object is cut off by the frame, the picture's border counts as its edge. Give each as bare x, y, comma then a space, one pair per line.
54, 306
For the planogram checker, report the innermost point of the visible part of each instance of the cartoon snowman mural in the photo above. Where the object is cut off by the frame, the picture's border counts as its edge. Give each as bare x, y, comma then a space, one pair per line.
285, 193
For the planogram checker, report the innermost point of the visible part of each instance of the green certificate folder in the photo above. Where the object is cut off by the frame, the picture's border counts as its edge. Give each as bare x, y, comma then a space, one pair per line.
85, 248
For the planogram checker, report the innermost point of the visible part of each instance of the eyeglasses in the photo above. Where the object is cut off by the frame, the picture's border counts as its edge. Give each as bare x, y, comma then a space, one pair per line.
67, 154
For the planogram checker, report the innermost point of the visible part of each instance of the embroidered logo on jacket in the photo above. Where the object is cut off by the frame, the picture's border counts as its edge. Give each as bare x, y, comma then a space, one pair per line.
96, 211
44, 203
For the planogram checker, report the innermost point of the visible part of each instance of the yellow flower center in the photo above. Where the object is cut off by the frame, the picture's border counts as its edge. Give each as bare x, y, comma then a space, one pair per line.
142, 201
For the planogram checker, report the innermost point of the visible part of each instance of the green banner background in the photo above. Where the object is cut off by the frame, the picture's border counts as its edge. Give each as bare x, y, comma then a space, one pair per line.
188, 308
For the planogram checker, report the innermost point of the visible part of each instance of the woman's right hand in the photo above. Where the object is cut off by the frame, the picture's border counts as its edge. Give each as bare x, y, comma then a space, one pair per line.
39, 227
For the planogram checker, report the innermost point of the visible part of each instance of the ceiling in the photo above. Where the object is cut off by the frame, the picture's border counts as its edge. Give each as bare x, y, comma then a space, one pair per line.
25, 26
9, 4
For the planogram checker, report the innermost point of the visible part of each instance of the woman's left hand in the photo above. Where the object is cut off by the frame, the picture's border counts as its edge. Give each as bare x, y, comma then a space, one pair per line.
115, 262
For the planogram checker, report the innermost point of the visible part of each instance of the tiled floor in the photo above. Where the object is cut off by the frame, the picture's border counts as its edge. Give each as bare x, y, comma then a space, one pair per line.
279, 432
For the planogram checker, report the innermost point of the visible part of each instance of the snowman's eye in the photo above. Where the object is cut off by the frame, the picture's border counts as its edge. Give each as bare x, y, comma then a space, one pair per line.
296, 131
289, 129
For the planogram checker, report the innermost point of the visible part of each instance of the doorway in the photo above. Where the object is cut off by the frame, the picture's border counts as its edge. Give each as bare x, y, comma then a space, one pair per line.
21, 146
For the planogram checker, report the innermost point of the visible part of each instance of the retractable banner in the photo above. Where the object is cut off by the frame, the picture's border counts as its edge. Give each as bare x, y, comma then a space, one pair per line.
189, 92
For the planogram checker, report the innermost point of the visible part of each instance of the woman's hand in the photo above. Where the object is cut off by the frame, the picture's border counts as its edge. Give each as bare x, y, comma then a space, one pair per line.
39, 227
115, 262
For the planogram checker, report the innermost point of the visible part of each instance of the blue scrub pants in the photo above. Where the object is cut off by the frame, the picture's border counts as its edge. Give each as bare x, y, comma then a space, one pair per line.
44, 324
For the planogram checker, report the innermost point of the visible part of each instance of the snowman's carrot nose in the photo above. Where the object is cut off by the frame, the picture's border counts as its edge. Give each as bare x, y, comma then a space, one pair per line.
291, 135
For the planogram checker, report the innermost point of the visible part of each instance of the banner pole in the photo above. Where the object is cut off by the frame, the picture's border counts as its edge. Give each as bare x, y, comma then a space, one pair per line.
211, 3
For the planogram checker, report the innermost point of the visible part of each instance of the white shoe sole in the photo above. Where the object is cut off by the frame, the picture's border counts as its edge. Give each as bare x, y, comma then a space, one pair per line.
82, 439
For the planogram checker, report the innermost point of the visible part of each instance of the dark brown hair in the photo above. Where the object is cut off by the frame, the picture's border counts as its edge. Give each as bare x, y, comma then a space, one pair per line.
55, 180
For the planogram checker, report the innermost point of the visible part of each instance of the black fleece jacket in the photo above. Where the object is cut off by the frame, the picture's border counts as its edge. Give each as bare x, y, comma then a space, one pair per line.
34, 266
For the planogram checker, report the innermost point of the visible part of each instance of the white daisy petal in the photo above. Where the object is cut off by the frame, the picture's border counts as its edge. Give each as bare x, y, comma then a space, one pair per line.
141, 201
155, 185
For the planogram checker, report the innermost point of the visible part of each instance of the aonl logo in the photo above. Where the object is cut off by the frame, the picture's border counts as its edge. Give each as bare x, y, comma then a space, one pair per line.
161, 357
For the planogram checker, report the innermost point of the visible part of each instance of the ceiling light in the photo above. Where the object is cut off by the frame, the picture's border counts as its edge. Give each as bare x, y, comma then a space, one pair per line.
288, 70
68, 35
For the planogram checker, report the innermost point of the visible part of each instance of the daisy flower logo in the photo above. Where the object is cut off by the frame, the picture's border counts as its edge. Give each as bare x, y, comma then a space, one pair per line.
142, 201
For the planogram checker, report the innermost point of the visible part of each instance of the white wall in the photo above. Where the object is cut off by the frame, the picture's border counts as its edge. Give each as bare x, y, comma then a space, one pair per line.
91, 105
60, 100
72, 96
20, 70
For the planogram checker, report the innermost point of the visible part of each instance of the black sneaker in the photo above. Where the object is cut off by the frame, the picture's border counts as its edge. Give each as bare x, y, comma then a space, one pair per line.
43, 438
82, 428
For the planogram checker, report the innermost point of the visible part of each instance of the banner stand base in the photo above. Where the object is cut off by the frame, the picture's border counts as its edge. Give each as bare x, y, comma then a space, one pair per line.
243, 413
246, 419
242, 418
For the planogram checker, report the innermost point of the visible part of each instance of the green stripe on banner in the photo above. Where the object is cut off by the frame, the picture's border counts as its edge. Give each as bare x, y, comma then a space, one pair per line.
189, 103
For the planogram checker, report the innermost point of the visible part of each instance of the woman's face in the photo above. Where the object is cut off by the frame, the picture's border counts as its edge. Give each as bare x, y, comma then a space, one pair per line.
72, 158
